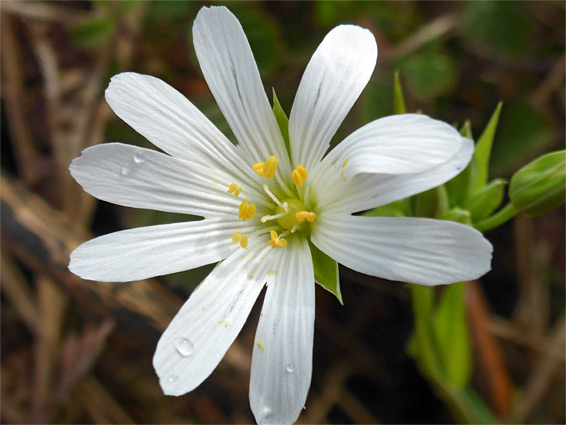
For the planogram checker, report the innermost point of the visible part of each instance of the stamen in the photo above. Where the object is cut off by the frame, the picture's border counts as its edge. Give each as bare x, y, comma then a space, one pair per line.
272, 217
238, 238
305, 215
298, 175
246, 211
272, 196
235, 189
266, 169
277, 240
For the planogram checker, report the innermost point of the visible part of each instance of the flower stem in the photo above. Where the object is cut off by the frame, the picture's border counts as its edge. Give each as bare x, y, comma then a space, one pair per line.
497, 219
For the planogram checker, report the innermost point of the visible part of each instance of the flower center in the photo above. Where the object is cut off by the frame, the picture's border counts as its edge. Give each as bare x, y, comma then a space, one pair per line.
291, 214
288, 219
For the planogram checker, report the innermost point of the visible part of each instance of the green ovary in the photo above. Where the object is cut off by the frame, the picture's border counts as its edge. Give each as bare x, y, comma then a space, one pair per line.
289, 220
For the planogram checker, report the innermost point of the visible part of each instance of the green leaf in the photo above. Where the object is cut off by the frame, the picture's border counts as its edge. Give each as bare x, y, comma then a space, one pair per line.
428, 74
486, 200
282, 121
540, 186
398, 97
326, 272
423, 345
451, 329
524, 132
93, 32
483, 150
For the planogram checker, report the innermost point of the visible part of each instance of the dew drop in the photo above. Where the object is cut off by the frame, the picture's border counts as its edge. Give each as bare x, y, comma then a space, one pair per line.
184, 347
139, 157
124, 171
266, 415
217, 354
172, 378
290, 368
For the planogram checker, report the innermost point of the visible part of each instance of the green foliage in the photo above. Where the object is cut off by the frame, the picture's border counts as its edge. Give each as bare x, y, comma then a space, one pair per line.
395, 209
482, 153
523, 132
498, 29
94, 32
451, 331
540, 186
326, 272
485, 200
428, 74
398, 97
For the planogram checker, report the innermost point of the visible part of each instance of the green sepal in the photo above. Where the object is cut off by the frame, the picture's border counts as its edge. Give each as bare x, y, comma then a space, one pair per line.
458, 189
394, 209
482, 152
399, 103
486, 200
326, 272
540, 186
282, 122
459, 215
432, 203
451, 330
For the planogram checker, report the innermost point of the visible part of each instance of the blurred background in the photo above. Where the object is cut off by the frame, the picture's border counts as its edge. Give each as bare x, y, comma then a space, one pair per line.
80, 352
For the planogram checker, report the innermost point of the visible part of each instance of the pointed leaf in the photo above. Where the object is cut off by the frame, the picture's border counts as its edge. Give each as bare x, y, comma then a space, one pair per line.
483, 150
326, 272
398, 97
451, 329
458, 189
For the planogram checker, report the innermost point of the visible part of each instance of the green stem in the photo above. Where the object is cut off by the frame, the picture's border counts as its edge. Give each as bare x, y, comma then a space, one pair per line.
497, 219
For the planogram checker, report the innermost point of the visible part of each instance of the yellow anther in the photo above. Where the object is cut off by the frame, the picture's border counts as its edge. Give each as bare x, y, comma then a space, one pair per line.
276, 240
246, 210
258, 168
301, 216
270, 167
298, 175
302, 171
238, 238
242, 209
297, 179
310, 217
266, 169
235, 189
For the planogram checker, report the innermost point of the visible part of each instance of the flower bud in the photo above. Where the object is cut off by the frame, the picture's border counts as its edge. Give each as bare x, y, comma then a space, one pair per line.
539, 187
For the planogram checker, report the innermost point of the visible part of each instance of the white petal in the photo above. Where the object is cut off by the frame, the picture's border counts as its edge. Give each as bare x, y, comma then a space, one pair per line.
282, 357
366, 191
142, 178
335, 76
202, 331
399, 144
415, 250
169, 120
144, 252
230, 70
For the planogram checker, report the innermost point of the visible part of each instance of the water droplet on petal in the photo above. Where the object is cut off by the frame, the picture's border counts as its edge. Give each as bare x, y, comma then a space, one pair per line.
185, 347
290, 368
124, 171
172, 378
217, 354
265, 415
139, 157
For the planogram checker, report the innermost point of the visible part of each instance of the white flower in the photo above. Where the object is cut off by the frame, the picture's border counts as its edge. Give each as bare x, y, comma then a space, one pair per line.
262, 206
